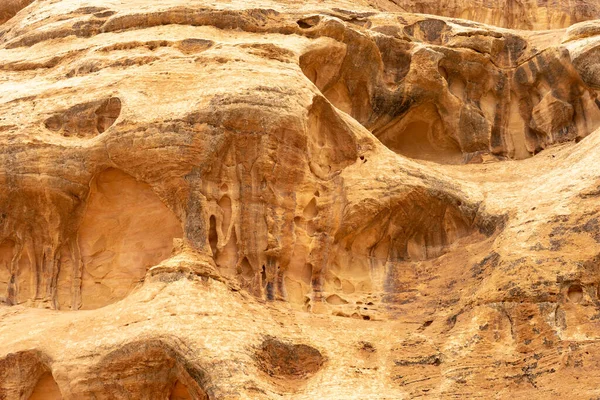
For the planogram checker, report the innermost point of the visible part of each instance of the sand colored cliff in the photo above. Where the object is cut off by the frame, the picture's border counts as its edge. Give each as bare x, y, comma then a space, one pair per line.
337, 199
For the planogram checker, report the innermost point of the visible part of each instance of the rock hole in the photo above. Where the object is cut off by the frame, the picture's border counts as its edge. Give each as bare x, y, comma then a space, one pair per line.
367, 347
227, 257
263, 276
54, 123
458, 87
309, 22
310, 211
146, 369
180, 392
247, 270
46, 389
194, 45
415, 140
336, 300
107, 114
337, 283
303, 24
575, 293
26, 375
288, 361
443, 73
225, 204
224, 188
125, 230
213, 237
366, 317
85, 120
420, 134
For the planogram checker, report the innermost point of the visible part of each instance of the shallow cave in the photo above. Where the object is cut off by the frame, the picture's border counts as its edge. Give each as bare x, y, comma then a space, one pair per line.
27, 375
125, 230
420, 135
289, 361
85, 120
146, 369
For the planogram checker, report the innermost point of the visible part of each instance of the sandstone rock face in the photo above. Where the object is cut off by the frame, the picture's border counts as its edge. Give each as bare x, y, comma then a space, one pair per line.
516, 14
274, 199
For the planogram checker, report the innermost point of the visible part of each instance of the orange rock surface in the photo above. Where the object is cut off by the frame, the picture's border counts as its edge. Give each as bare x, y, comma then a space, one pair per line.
336, 199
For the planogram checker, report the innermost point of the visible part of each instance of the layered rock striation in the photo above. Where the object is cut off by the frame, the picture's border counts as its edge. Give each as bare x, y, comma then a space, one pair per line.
227, 200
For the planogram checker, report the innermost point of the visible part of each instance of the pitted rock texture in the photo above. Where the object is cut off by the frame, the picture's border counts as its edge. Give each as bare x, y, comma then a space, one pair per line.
331, 199
516, 14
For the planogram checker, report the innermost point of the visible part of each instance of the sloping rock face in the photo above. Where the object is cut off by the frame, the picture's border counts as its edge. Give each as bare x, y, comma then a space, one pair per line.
515, 14
274, 199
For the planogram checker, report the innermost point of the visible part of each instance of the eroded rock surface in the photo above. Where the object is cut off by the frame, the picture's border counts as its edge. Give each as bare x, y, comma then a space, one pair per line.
516, 14
330, 199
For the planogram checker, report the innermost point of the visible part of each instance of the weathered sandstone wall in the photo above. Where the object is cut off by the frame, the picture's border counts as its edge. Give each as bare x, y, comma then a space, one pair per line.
274, 199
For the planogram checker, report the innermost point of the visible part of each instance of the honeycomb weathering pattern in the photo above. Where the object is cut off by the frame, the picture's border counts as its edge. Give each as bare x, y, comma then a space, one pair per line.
269, 199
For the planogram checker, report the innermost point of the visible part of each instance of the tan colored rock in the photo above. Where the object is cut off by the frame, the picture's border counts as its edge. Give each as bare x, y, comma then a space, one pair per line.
551, 116
9, 8
274, 199
515, 14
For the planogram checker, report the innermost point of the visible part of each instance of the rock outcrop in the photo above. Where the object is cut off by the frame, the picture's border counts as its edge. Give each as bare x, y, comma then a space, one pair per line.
515, 14
274, 199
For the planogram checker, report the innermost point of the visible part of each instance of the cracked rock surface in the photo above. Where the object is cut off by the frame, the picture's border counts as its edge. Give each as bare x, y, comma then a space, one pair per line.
332, 199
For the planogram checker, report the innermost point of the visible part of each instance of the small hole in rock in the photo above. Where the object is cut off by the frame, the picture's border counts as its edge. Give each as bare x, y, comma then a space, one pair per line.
288, 361
309, 22
213, 237
575, 293
303, 25
368, 347
263, 275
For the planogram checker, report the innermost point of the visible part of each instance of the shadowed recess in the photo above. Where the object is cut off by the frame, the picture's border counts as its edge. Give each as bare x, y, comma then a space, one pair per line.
146, 369
125, 230
26, 375
85, 120
288, 361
